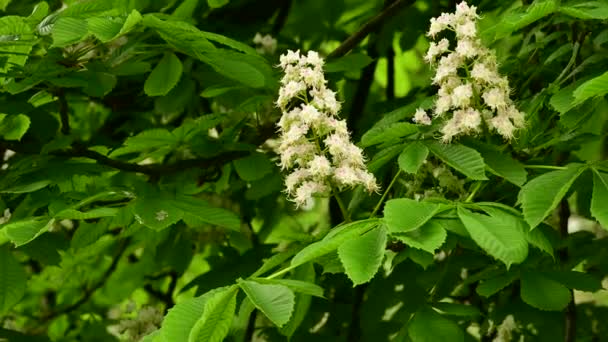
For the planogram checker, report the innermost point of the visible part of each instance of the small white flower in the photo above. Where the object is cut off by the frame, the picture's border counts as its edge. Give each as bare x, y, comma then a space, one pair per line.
503, 126
482, 72
467, 48
441, 23
421, 118
466, 29
495, 98
266, 44
319, 165
291, 57
436, 49
462, 95
442, 105
161, 215
307, 190
295, 178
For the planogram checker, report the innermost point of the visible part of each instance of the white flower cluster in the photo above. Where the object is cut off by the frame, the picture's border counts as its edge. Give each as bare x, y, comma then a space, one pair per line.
148, 320
315, 144
470, 86
265, 44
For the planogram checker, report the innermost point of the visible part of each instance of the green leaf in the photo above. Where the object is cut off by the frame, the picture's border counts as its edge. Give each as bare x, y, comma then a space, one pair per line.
454, 309
217, 90
384, 156
26, 230
133, 19
164, 76
104, 28
146, 140
542, 292
155, 211
184, 315
214, 324
429, 326
87, 233
429, 237
491, 286
404, 214
522, 17
412, 157
599, 199
4, 4
253, 167
12, 281
333, 240
199, 211
217, 3
575, 280
275, 301
390, 133
595, 87
362, 255
295, 285
13, 127
305, 273
15, 52
537, 238
351, 62
237, 66
502, 165
587, 10
26, 187
501, 235
74, 214
542, 194
68, 31
563, 100
464, 159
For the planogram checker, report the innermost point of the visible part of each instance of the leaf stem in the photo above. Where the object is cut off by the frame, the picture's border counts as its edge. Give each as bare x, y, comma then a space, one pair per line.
343, 207
550, 167
385, 194
473, 192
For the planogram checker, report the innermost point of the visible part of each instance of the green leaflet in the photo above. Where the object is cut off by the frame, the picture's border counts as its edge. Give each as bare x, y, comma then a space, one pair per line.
429, 326
597, 86
363, 255
275, 301
12, 281
214, 324
13, 127
333, 240
429, 237
542, 194
542, 292
180, 320
464, 159
599, 200
499, 234
348, 63
404, 214
412, 157
164, 76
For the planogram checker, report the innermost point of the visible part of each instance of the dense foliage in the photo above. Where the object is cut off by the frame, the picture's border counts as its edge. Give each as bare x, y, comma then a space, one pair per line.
172, 173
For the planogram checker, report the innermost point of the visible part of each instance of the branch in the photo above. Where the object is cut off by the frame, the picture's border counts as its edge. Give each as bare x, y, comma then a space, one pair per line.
369, 27
153, 169
570, 314
89, 291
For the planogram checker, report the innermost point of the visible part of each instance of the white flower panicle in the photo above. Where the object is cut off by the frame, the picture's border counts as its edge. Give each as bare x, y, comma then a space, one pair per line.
265, 44
468, 80
315, 144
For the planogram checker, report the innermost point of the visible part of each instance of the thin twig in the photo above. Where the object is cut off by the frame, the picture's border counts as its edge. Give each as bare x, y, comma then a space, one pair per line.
63, 112
385, 194
368, 28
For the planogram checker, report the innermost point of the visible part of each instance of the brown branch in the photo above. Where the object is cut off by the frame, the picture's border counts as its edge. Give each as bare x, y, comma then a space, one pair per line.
153, 169
91, 290
372, 25
570, 314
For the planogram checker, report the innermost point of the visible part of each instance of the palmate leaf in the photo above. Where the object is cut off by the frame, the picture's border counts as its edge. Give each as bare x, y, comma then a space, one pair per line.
26, 230
390, 133
363, 255
333, 240
522, 17
214, 324
542, 194
164, 76
463, 159
502, 164
492, 285
13, 127
587, 10
542, 292
298, 286
275, 301
599, 200
351, 62
68, 31
404, 214
305, 273
199, 211
12, 280
427, 325
500, 234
